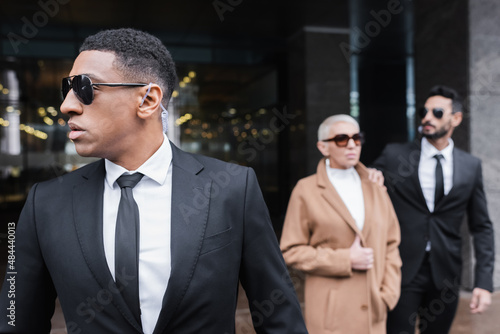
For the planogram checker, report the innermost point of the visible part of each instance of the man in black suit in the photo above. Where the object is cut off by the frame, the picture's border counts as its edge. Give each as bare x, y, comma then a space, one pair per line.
433, 185
199, 226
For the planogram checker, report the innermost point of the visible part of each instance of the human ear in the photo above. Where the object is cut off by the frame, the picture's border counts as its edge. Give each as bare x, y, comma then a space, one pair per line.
456, 119
323, 148
150, 101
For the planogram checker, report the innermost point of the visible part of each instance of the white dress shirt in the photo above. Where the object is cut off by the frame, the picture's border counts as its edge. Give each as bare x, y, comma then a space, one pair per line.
153, 195
348, 185
427, 170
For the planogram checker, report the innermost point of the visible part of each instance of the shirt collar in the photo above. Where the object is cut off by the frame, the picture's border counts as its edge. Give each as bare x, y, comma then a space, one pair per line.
429, 151
153, 168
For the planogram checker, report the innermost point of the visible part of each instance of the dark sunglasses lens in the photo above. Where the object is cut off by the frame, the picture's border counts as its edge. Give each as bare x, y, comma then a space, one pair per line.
422, 112
66, 86
438, 112
83, 89
341, 140
358, 138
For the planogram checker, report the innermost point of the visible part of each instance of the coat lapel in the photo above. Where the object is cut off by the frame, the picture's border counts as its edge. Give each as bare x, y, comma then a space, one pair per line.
88, 211
333, 198
190, 206
368, 196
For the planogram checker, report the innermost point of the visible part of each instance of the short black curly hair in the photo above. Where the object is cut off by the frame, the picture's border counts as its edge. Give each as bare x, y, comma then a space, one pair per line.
140, 56
450, 93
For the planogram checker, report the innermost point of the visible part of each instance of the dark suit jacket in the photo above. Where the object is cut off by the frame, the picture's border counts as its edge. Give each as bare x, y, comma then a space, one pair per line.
399, 162
221, 233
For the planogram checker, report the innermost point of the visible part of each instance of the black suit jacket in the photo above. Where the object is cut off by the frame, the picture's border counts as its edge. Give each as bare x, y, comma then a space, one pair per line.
399, 162
220, 234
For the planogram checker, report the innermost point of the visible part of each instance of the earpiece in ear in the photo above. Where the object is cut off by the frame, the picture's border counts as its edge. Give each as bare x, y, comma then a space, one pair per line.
144, 98
164, 119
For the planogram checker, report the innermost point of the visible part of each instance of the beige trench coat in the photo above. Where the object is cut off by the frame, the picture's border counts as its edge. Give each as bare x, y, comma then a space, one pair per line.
317, 234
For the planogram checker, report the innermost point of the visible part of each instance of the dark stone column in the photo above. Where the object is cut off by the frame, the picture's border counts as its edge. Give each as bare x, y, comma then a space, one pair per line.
484, 102
441, 53
319, 87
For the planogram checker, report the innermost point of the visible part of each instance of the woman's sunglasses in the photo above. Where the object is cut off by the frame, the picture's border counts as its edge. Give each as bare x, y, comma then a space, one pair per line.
84, 87
342, 140
438, 112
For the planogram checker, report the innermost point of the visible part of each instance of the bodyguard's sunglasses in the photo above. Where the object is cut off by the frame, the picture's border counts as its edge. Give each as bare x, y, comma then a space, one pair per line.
342, 140
438, 112
84, 87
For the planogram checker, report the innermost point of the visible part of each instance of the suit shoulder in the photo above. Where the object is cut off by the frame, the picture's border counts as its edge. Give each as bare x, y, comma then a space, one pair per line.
401, 147
217, 164
466, 155
214, 168
71, 178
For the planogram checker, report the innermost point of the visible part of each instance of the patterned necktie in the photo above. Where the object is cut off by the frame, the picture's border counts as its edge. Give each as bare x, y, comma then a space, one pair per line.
127, 244
439, 192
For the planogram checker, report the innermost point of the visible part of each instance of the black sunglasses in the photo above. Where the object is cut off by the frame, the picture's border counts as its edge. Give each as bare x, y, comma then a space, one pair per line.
84, 87
342, 140
438, 112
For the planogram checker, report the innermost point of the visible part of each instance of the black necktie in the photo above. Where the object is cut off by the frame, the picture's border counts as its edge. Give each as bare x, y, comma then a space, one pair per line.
127, 244
439, 193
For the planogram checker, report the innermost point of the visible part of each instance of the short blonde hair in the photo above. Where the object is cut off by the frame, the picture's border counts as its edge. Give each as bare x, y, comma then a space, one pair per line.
324, 127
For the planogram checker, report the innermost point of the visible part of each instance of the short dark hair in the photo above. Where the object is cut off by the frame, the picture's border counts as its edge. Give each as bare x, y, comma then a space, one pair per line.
140, 55
450, 93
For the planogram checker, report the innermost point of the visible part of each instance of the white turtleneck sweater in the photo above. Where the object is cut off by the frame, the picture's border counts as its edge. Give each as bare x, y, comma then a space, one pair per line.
348, 185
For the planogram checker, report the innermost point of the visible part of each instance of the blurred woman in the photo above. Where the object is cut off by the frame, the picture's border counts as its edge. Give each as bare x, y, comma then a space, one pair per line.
342, 231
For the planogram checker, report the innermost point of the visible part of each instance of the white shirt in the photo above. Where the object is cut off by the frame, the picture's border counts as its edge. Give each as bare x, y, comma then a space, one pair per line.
153, 195
427, 170
348, 185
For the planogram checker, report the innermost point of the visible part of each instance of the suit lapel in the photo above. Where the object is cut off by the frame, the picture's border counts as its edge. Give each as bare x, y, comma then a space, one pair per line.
188, 224
459, 174
407, 182
88, 211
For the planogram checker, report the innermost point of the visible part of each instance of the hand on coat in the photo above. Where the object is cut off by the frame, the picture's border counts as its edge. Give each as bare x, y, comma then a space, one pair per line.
376, 177
361, 257
480, 301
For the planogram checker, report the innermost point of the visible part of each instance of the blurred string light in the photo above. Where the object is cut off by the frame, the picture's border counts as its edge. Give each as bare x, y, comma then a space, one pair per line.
47, 120
31, 131
240, 127
4, 122
4, 90
183, 119
52, 111
42, 112
186, 80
